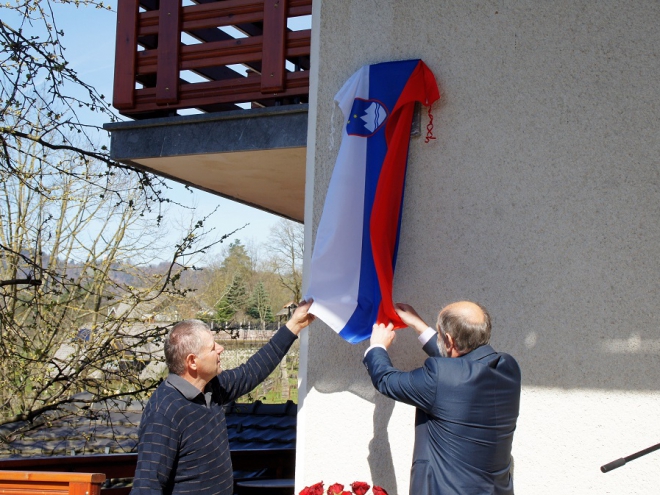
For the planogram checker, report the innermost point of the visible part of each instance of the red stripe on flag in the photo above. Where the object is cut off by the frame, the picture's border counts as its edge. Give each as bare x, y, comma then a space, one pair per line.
384, 222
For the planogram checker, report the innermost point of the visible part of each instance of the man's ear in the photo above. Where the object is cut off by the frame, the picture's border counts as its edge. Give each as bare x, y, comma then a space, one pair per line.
450, 343
191, 362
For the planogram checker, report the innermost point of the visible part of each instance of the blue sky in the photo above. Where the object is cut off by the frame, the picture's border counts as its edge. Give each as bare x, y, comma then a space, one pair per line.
89, 39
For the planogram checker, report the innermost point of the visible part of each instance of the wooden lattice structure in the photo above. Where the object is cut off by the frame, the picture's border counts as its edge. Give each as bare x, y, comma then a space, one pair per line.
157, 41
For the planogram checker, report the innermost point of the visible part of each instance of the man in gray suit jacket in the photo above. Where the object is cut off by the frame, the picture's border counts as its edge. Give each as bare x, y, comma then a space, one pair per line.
467, 398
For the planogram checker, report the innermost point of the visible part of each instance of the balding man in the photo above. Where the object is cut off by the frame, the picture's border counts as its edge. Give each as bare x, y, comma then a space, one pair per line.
183, 445
467, 398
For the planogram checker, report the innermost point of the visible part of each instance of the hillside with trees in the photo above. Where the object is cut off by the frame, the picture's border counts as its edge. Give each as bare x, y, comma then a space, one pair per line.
250, 284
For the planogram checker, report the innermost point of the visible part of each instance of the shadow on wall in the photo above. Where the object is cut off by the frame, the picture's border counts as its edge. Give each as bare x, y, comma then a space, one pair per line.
325, 375
551, 352
380, 459
327, 349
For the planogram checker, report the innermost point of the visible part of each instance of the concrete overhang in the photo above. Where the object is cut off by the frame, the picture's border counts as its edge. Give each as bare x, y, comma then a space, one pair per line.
256, 157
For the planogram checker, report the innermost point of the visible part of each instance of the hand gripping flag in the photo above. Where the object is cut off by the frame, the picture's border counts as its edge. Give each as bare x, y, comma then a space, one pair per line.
357, 239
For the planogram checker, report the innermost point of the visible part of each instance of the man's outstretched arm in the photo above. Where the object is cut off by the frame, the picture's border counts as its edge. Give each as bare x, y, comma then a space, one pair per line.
427, 336
239, 381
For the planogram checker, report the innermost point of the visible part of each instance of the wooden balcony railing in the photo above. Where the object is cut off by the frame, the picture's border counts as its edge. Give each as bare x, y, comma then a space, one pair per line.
154, 47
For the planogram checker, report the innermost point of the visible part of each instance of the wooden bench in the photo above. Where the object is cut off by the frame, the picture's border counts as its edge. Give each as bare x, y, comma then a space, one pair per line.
50, 483
111, 465
273, 463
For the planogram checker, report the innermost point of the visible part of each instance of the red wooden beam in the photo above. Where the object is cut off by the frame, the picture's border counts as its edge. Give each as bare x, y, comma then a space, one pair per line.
207, 55
300, 7
272, 65
248, 89
217, 53
148, 23
298, 43
125, 54
208, 15
224, 8
169, 36
197, 95
221, 53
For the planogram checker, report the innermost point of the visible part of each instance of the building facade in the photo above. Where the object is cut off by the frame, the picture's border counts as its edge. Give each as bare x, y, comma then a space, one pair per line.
540, 199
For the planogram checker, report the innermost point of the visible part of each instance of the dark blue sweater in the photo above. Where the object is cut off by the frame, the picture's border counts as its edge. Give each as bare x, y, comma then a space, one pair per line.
183, 445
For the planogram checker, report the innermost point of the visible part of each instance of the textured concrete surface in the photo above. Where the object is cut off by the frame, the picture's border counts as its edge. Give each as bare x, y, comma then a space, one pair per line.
539, 199
224, 132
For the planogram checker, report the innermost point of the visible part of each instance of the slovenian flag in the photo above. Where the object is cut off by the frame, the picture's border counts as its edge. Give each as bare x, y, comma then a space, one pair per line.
354, 253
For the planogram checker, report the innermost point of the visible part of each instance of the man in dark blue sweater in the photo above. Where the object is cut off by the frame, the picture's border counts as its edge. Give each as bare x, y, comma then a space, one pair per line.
183, 445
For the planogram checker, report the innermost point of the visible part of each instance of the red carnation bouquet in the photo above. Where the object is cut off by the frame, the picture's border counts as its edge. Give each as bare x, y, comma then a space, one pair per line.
357, 487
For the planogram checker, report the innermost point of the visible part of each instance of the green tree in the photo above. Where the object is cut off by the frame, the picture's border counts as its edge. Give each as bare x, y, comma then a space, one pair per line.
224, 312
237, 296
232, 306
237, 262
213, 283
259, 307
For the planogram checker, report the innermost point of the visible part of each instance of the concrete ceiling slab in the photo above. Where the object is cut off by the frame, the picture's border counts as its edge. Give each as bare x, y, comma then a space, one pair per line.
256, 157
271, 180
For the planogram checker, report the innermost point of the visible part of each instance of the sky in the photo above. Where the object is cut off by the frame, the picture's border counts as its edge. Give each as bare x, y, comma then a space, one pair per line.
89, 39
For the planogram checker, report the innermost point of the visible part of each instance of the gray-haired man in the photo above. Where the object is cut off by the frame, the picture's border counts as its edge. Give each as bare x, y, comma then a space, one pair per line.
183, 445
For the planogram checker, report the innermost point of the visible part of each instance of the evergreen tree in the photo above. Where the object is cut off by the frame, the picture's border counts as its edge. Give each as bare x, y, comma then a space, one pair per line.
259, 307
269, 317
223, 311
237, 262
237, 296
233, 302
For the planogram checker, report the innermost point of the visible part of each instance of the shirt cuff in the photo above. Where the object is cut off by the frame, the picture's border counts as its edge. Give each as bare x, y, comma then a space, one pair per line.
426, 335
373, 347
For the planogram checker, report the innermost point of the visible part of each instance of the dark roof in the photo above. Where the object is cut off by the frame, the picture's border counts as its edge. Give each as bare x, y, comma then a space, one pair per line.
250, 426
261, 426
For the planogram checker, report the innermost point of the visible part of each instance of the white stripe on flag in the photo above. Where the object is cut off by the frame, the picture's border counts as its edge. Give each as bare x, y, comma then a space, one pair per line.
337, 256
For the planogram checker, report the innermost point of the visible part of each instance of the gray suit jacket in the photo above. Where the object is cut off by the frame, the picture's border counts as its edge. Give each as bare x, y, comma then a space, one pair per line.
467, 409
